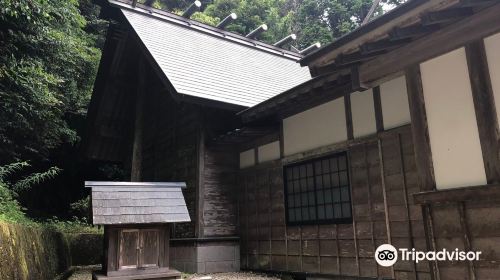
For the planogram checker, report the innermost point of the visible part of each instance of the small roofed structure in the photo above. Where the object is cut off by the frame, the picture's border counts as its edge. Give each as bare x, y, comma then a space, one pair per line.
136, 217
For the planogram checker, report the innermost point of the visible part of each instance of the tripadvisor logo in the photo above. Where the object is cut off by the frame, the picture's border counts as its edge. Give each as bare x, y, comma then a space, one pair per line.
387, 255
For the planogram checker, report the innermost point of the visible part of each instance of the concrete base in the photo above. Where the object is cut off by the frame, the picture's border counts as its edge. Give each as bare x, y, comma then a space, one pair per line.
169, 275
196, 256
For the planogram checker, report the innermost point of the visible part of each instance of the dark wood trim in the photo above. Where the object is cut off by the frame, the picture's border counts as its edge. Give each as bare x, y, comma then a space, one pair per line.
453, 36
407, 203
431, 240
384, 193
348, 116
200, 190
484, 104
420, 133
412, 31
136, 165
282, 140
377, 102
475, 193
446, 15
273, 137
466, 237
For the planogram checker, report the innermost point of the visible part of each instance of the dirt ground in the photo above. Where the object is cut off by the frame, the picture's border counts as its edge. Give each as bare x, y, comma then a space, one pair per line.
85, 273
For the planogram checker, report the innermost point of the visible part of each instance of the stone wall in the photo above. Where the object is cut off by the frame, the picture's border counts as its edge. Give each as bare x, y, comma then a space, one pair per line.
35, 252
206, 257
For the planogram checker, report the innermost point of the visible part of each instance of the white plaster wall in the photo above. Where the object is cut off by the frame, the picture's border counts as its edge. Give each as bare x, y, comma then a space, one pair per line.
269, 151
247, 158
394, 99
453, 132
492, 45
316, 127
363, 113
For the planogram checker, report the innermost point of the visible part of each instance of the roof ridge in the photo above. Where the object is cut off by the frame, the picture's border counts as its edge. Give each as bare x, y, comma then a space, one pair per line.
205, 28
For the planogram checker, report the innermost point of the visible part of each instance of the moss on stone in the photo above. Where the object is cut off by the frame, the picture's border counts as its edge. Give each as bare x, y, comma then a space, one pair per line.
35, 252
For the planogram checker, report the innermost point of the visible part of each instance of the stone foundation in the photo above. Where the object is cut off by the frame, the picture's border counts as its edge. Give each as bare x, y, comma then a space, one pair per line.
205, 255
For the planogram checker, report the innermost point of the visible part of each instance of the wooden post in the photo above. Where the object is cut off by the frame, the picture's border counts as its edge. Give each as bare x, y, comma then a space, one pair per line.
484, 104
420, 132
348, 116
200, 190
136, 165
377, 102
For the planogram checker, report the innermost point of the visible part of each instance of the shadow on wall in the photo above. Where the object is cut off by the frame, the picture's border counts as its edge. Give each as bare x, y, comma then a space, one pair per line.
32, 252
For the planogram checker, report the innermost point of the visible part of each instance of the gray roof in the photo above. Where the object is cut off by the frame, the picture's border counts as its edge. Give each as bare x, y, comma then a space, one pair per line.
137, 203
213, 64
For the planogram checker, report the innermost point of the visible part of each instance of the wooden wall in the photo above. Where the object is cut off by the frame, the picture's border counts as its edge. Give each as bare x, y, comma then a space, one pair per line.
170, 148
220, 167
384, 212
466, 225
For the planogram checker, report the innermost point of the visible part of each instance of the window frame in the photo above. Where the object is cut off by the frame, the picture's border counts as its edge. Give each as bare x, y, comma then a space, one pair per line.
317, 221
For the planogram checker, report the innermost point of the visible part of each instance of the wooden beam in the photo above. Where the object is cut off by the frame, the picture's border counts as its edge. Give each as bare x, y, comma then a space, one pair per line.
420, 132
384, 194
200, 190
412, 31
475, 193
357, 85
348, 116
377, 102
136, 166
474, 3
370, 12
382, 45
466, 237
477, 26
351, 58
446, 15
484, 104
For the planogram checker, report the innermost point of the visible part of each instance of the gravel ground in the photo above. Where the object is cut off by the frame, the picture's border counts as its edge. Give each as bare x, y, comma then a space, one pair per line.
85, 273
231, 276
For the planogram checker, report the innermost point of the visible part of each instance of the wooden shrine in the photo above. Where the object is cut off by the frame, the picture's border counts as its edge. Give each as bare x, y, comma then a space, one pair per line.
136, 217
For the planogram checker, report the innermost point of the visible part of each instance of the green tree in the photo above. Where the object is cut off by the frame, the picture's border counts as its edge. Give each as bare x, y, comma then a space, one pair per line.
312, 20
47, 68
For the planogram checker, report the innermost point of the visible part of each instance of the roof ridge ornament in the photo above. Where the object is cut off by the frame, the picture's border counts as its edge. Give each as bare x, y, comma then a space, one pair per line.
194, 7
257, 31
227, 20
310, 49
286, 40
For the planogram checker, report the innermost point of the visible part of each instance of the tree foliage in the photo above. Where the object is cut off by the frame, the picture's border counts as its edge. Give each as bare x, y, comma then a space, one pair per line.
47, 68
312, 20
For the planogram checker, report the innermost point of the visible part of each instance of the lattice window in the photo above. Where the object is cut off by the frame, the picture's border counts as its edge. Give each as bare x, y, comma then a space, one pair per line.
318, 191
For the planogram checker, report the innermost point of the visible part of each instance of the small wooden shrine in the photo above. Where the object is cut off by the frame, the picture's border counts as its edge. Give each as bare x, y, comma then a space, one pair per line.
136, 217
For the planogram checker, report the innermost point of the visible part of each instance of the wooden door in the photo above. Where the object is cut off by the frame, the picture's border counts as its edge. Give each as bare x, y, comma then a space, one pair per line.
149, 248
129, 249
139, 248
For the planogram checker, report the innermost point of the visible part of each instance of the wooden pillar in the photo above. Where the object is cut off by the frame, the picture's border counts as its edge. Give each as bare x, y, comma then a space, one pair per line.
420, 132
484, 105
377, 102
200, 190
136, 164
348, 116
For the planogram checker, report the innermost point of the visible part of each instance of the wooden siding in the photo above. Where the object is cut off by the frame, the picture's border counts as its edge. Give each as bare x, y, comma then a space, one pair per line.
383, 211
220, 167
219, 205
170, 148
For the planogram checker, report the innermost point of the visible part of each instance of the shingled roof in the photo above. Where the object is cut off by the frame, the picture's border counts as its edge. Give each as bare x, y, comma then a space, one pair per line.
137, 203
209, 63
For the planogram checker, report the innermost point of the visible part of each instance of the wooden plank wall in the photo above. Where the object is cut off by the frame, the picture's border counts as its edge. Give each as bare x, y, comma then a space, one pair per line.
170, 149
220, 168
220, 204
466, 225
383, 212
